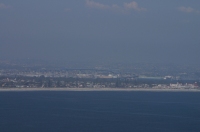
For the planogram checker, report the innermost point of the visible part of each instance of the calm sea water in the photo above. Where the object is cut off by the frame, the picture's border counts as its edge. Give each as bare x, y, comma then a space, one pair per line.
99, 112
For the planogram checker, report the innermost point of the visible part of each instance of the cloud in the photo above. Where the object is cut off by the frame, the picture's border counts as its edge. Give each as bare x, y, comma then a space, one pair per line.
127, 6
67, 9
96, 5
188, 9
133, 5
3, 6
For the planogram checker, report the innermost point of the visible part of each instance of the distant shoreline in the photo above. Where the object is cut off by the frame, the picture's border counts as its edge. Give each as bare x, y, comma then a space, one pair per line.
97, 89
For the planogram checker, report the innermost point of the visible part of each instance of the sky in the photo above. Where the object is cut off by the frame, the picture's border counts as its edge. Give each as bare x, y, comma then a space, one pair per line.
101, 31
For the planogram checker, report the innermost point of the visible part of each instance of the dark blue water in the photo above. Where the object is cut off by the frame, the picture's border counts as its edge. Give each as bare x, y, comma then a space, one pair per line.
99, 112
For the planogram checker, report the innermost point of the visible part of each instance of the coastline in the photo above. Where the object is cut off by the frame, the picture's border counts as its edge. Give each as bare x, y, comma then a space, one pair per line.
97, 89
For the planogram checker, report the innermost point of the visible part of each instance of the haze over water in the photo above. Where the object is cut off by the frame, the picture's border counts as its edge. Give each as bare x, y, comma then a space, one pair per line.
91, 32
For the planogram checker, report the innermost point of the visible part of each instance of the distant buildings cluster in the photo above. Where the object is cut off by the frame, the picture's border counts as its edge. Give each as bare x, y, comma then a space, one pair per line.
53, 82
117, 76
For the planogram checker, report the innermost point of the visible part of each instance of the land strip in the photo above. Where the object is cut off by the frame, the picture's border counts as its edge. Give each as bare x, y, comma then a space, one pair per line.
97, 89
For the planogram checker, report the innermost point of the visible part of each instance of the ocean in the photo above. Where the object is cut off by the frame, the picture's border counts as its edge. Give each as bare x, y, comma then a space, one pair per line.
99, 111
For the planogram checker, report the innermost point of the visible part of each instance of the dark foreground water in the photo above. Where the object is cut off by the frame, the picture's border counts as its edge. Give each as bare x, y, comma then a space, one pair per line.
99, 112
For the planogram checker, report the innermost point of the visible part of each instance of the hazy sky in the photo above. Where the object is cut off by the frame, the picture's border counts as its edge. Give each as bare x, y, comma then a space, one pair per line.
101, 30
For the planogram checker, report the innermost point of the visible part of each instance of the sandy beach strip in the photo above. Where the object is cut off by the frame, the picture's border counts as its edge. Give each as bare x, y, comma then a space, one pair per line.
97, 89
